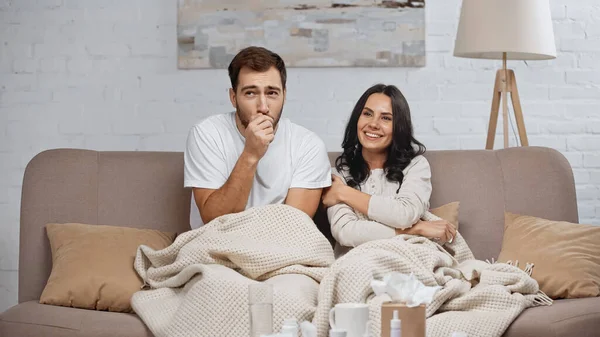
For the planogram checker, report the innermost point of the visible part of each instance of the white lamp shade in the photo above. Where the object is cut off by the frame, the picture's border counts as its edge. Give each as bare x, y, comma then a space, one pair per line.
520, 28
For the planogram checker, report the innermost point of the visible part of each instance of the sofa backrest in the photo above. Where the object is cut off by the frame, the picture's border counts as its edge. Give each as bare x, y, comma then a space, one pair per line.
132, 189
145, 190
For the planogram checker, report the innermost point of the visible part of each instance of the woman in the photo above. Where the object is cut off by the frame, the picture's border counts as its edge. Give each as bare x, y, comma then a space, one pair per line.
385, 184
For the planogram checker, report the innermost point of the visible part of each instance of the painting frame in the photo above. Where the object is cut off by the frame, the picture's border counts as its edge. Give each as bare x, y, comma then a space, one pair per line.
310, 34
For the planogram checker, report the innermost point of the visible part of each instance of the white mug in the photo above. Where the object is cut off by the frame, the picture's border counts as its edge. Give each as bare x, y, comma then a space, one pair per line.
352, 317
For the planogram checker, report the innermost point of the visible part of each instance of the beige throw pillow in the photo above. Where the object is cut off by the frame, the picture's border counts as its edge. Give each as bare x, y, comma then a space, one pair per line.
448, 212
92, 265
566, 256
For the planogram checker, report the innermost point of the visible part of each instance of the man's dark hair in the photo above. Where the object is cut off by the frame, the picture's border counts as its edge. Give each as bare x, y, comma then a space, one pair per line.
258, 59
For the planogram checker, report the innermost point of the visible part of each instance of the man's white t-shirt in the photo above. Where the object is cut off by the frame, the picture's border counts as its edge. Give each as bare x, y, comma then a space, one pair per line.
297, 158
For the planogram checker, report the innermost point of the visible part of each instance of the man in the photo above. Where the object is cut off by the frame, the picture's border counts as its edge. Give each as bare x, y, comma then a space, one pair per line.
253, 157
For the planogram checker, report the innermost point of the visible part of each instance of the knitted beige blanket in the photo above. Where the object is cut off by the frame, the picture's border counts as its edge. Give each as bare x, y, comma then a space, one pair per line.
199, 284
476, 297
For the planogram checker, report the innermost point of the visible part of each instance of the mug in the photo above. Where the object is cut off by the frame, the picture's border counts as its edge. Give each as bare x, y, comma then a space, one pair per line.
352, 317
337, 333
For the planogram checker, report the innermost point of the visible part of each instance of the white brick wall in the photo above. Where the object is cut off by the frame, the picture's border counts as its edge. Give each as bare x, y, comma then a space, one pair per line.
102, 75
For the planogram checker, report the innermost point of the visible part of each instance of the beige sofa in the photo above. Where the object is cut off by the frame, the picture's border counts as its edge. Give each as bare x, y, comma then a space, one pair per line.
145, 189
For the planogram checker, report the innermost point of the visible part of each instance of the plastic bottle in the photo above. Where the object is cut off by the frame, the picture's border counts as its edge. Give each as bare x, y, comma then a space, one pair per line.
395, 326
290, 327
260, 302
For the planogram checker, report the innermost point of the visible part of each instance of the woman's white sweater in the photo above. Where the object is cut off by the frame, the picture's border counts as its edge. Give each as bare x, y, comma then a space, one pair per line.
389, 207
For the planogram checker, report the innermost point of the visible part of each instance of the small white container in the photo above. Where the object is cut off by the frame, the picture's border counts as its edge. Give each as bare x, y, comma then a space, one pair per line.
290, 327
337, 333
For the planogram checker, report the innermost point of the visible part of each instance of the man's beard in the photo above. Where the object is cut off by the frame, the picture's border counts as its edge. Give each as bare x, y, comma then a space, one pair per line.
246, 121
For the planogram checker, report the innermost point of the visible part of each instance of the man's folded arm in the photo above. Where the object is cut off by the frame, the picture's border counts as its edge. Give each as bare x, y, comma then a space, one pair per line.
232, 197
205, 171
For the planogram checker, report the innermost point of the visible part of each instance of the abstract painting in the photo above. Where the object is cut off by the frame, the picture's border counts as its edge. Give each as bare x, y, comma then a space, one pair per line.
309, 33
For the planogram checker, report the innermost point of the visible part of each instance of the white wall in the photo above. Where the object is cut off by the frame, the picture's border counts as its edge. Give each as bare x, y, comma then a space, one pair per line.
102, 75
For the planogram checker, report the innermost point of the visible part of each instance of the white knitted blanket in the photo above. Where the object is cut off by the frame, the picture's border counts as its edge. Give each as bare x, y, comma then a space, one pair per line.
199, 284
476, 297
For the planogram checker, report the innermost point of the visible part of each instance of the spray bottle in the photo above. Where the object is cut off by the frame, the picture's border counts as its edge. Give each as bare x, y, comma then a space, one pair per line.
395, 326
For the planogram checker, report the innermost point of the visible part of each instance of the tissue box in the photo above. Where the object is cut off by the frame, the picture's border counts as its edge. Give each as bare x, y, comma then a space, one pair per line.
413, 319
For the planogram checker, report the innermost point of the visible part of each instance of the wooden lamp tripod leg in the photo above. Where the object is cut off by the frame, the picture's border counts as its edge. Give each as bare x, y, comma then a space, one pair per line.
505, 83
489, 145
505, 91
516, 102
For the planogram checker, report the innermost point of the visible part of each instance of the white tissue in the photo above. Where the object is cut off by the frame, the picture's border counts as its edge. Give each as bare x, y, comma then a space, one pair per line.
404, 288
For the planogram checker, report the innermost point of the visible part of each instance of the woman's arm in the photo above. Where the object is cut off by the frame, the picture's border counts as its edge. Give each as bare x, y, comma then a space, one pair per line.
346, 227
355, 199
405, 208
348, 230
400, 211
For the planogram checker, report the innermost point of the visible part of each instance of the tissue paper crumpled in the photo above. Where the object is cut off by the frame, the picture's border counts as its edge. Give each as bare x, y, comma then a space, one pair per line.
404, 288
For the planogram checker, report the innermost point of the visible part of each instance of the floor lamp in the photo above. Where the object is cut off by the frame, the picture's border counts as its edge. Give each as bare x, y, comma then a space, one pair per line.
505, 30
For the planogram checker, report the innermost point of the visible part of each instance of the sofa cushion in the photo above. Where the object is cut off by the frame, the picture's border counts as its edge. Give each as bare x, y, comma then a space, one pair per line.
32, 319
92, 265
570, 317
448, 212
566, 256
